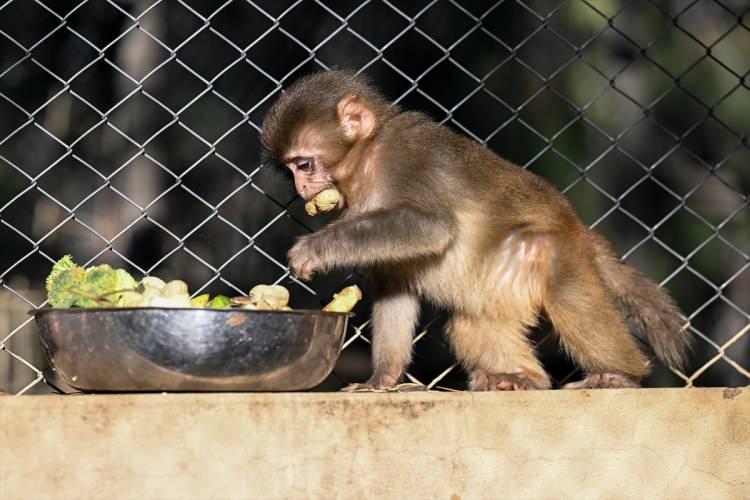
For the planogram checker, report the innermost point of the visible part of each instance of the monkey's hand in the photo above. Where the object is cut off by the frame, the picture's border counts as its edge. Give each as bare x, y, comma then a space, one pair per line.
304, 260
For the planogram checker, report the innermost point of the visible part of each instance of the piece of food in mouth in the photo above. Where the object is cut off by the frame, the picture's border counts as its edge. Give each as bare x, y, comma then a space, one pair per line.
345, 300
325, 201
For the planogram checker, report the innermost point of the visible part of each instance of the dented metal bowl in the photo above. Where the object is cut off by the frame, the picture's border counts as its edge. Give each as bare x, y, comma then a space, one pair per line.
161, 349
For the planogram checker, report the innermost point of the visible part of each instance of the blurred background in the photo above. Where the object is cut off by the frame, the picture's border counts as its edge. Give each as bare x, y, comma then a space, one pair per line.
129, 136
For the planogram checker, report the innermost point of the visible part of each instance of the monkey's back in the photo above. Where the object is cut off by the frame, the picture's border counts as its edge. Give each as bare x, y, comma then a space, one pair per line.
497, 208
435, 159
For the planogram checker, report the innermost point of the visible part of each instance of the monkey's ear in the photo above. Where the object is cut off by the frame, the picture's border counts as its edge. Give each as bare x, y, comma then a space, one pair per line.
356, 119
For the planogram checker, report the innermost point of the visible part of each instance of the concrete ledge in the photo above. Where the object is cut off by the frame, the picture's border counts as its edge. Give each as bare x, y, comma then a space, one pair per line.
658, 443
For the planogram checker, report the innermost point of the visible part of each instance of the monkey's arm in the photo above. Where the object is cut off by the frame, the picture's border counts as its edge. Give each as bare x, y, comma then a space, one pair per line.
394, 315
380, 236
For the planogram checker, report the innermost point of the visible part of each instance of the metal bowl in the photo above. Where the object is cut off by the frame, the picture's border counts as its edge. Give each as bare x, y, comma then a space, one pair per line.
161, 349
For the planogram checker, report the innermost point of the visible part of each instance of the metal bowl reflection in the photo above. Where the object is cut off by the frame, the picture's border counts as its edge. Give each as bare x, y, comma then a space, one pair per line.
160, 349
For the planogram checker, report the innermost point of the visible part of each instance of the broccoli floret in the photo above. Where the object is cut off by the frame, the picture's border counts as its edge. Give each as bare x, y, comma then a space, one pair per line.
125, 282
61, 265
69, 285
60, 286
102, 281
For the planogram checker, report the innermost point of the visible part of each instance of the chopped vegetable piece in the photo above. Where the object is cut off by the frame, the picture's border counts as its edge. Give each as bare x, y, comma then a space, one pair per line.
220, 302
60, 286
268, 297
200, 300
172, 301
69, 285
174, 288
131, 299
65, 263
153, 282
345, 300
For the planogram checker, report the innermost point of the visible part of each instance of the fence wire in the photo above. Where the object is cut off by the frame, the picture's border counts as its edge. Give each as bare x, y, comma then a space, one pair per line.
129, 135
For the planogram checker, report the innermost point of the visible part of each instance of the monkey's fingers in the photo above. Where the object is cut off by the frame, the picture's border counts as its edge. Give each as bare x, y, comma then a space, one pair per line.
301, 263
366, 387
603, 381
361, 388
303, 271
410, 387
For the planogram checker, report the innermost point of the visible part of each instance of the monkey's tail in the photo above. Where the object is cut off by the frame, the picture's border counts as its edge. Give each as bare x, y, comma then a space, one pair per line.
650, 312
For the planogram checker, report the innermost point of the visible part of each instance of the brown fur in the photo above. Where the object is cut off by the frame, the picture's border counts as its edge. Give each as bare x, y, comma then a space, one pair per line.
648, 309
435, 216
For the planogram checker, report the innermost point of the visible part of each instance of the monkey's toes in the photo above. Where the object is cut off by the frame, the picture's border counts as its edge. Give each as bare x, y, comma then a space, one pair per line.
362, 387
369, 387
505, 382
603, 381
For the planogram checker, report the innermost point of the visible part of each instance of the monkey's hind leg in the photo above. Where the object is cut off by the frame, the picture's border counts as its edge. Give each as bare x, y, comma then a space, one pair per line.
603, 381
497, 354
593, 332
492, 341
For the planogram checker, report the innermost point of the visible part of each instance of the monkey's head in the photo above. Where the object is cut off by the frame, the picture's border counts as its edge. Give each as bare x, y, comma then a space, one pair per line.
314, 125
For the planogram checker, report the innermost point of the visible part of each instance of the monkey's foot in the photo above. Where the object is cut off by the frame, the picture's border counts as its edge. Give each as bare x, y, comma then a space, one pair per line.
379, 382
368, 387
603, 381
482, 381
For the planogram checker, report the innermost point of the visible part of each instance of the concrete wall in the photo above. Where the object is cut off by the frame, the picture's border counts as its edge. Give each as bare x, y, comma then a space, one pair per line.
673, 443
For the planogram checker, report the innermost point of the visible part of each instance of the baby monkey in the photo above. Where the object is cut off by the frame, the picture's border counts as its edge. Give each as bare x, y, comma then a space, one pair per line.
433, 215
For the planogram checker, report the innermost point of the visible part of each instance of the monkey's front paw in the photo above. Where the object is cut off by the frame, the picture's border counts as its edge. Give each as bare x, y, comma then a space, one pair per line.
368, 387
303, 260
482, 381
377, 383
603, 381
384, 383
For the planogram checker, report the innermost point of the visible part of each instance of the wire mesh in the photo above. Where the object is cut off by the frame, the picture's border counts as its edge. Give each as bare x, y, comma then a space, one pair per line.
130, 136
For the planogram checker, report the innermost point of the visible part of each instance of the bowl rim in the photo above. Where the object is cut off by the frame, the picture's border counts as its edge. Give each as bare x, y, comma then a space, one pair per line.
42, 311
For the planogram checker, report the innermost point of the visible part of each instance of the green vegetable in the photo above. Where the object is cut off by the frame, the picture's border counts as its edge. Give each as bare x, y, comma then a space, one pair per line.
59, 287
61, 265
220, 302
70, 285
200, 300
104, 284
131, 299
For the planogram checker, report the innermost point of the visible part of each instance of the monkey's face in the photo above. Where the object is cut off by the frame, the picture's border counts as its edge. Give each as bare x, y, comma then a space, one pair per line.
310, 175
311, 154
314, 141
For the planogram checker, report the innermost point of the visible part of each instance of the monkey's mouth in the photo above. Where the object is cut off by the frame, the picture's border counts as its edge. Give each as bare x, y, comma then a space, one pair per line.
324, 187
326, 200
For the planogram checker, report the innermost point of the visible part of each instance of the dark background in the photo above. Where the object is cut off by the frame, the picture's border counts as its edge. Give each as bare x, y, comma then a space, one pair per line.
129, 135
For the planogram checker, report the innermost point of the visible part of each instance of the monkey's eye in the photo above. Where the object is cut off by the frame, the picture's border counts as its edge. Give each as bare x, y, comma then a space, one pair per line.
303, 164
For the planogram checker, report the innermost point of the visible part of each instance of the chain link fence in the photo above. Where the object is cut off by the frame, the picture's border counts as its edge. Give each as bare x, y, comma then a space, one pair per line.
129, 136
